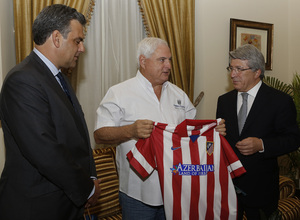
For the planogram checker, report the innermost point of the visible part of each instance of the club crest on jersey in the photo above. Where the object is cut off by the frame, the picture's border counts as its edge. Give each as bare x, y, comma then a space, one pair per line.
192, 169
209, 147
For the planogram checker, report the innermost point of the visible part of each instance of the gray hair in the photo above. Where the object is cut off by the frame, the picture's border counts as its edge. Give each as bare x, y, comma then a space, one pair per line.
54, 17
147, 47
249, 52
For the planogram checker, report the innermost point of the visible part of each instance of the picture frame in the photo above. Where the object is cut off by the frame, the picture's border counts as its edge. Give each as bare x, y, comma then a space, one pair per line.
257, 33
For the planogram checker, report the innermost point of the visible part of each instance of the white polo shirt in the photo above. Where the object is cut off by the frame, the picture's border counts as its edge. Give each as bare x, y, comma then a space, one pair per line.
135, 99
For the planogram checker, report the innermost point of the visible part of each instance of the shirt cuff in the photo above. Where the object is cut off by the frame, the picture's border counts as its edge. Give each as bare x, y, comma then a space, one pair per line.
262, 144
93, 191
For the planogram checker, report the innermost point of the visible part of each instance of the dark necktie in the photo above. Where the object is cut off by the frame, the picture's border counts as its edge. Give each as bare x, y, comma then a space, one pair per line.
243, 111
64, 85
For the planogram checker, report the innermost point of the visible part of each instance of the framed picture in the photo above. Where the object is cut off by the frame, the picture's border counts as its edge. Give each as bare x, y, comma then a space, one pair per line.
252, 32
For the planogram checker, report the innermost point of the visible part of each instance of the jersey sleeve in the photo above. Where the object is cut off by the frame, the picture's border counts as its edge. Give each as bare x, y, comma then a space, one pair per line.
234, 165
142, 158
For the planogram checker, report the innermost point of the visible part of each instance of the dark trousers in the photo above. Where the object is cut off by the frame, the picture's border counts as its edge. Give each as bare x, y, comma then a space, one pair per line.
257, 213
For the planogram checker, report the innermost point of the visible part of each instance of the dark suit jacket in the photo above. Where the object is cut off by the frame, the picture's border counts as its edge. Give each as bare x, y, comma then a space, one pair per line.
273, 119
48, 155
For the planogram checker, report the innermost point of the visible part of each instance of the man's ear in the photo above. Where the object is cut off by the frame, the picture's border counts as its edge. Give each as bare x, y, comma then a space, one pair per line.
257, 73
56, 38
142, 60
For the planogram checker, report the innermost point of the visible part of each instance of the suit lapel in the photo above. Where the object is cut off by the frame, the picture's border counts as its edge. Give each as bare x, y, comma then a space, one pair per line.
50, 78
77, 112
232, 103
256, 106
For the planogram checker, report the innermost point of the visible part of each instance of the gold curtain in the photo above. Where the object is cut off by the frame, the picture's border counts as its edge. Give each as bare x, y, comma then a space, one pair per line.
174, 21
25, 11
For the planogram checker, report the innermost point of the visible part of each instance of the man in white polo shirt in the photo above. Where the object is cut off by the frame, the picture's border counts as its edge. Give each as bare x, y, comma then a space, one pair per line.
127, 113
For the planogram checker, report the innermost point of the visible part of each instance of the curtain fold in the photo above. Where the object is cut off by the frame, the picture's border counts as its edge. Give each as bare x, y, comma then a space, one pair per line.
174, 21
25, 11
111, 42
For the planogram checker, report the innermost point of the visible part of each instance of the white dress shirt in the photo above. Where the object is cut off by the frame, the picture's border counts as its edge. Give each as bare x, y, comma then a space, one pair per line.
251, 96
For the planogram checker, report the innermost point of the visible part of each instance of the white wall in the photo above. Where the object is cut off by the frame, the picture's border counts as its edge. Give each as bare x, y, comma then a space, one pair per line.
212, 43
7, 53
294, 36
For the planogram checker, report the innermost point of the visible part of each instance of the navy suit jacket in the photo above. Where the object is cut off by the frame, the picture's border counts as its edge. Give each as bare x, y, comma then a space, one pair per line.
273, 119
48, 154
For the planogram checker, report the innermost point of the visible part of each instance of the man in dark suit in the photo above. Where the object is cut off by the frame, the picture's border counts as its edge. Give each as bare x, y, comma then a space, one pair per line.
270, 130
49, 169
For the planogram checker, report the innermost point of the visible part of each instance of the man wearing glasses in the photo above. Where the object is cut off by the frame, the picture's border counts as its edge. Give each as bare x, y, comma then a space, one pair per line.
261, 125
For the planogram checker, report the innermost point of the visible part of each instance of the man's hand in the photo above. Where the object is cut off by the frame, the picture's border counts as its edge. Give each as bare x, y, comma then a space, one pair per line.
221, 127
249, 145
141, 129
119, 134
94, 198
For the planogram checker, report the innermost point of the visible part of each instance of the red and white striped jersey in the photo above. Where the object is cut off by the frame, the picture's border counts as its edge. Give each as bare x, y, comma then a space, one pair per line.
195, 166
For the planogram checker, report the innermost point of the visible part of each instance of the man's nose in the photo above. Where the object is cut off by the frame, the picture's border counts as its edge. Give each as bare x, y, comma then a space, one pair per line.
81, 47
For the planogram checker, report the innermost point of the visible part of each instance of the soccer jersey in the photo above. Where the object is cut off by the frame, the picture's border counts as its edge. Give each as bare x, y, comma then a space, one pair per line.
195, 166
132, 100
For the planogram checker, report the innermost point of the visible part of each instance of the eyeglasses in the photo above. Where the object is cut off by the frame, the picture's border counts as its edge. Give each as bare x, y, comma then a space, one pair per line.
237, 69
